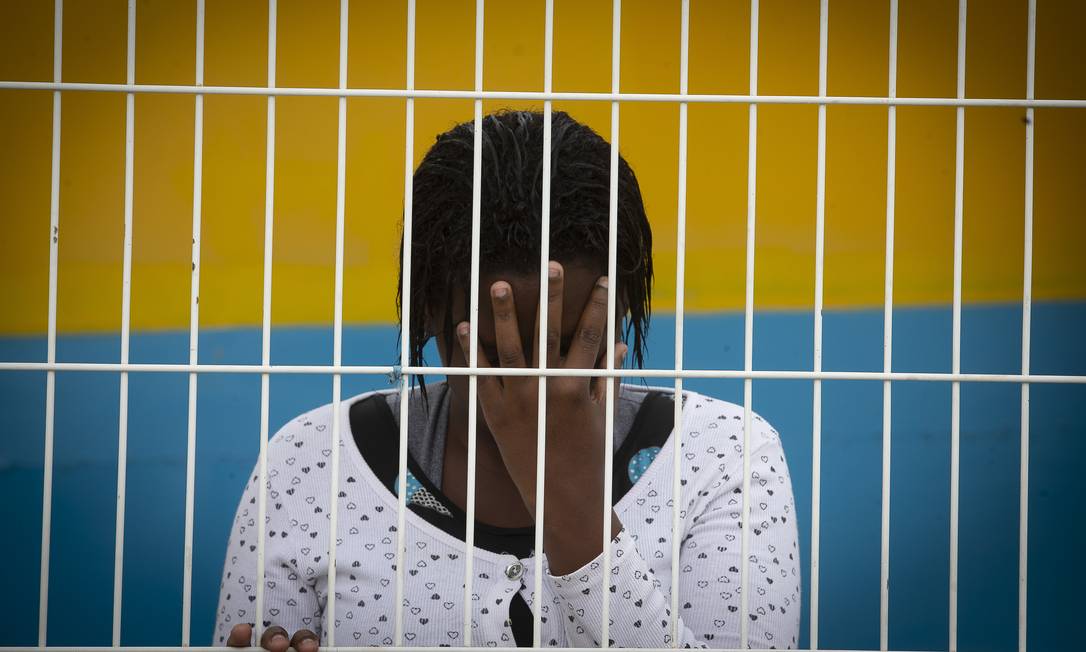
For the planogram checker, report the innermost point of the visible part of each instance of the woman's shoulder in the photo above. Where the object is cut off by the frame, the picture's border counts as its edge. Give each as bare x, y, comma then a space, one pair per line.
702, 410
311, 433
713, 433
726, 421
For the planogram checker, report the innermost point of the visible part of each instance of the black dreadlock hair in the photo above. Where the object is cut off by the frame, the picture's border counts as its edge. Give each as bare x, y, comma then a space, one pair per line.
512, 179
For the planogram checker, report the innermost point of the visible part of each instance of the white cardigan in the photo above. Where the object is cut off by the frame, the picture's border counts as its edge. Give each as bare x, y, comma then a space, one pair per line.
296, 579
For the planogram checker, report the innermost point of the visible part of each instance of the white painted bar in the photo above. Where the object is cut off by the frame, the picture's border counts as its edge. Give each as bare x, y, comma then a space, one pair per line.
680, 299
51, 337
385, 370
612, 283
887, 334
536, 96
956, 328
473, 317
820, 255
126, 321
337, 327
748, 329
194, 330
544, 280
1027, 308
265, 354
338, 648
405, 317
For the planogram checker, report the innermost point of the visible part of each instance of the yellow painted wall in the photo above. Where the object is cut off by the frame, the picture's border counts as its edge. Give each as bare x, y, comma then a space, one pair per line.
92, 161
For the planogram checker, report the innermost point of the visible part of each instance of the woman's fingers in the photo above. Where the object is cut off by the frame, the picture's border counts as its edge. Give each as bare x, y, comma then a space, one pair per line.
535, 340
585, 347
304, 641
555, 292
620, 354
598, 389
506, 330
488, 385
275, 639
554, 318
241, 635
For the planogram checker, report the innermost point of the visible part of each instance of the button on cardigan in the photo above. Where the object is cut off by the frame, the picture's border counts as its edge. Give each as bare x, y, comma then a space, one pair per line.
296, 586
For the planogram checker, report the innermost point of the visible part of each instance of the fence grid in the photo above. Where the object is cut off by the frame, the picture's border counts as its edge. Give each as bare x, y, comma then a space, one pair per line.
402, 372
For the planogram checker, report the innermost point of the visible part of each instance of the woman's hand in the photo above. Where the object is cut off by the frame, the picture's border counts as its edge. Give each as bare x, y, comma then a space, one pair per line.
573, 528
274, 639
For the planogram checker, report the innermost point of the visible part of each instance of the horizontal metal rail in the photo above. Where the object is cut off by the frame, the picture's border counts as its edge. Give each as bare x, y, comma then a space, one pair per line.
378, 370
280, 91
337, 648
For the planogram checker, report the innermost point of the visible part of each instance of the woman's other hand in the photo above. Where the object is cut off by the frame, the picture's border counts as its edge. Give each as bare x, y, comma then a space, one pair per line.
274, 639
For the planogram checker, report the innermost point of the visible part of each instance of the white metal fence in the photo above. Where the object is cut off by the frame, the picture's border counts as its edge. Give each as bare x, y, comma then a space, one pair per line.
403, 371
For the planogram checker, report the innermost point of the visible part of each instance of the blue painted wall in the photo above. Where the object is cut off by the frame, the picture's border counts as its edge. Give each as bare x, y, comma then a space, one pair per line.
228, 420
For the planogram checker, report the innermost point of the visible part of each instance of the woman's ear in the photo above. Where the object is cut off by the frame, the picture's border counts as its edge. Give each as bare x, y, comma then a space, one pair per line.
622, 311
444, 334
429, 325
433, 318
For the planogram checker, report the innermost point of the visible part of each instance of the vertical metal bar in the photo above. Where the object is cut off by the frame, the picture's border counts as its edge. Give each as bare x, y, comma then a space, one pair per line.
337, 328
126, 313
405, 316
51, 337
265, 353
1027, 307
887, 333
473, 352
544, 279
612, 283
820, 255
956, 336
680, 300
748, 330
194, 329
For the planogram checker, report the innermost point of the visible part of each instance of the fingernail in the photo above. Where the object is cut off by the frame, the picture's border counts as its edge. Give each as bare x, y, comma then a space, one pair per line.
555, 270
501, 291
279, 638
463, 328
308, 645
602, 282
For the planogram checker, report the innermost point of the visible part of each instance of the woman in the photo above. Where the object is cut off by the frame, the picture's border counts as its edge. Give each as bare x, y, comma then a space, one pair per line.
296, 588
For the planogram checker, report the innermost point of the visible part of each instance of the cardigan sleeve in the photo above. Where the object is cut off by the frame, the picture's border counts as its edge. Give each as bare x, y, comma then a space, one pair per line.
709, 578
290, 598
